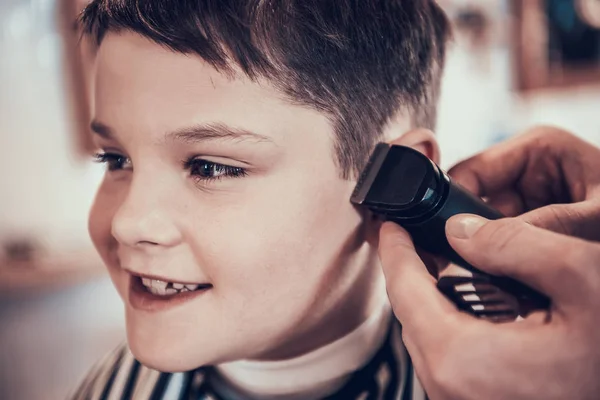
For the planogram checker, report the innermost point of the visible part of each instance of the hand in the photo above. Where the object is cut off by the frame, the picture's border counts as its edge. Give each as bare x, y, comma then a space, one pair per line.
545, 356
535, 171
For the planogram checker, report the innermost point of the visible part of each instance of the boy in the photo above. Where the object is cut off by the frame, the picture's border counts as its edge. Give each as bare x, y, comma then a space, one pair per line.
233, 133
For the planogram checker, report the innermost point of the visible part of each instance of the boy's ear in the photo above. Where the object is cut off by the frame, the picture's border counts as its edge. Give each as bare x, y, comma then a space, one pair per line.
422, 140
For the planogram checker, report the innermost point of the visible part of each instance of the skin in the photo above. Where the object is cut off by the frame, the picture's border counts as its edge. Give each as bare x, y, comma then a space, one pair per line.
549, 355
292, 264
547, 176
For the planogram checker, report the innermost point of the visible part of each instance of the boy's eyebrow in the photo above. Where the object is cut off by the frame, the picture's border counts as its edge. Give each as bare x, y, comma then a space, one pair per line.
195, 133
202, 132
101, 129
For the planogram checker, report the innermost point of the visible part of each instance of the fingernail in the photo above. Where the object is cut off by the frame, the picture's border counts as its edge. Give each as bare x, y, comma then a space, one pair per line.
464, 226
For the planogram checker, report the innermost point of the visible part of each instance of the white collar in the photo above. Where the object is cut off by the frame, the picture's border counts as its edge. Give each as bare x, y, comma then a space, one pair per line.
313, 374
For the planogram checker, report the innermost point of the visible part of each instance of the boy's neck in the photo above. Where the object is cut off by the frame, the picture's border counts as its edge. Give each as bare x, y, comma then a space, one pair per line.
312, 375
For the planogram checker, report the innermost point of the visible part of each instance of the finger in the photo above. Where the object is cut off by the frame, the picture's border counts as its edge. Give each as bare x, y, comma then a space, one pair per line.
509, 203
416, 301
495, 170
557, 265
500, 167
580, 219
434, 264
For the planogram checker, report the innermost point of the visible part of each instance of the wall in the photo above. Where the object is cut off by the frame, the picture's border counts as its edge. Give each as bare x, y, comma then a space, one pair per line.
46, 190
479, 108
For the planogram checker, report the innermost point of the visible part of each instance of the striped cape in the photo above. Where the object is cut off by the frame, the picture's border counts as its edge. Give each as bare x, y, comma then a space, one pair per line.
119, 376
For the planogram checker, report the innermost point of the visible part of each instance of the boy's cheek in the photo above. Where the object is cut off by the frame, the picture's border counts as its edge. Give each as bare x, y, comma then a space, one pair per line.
100, 229
269, 254
100, 225
254, 255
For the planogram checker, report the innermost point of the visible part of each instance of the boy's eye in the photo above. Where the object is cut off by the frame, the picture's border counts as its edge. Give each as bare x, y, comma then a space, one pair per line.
114, 161
199, 169
206, 170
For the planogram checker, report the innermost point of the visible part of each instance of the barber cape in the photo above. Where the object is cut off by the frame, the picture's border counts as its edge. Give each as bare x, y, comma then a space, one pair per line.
388, 375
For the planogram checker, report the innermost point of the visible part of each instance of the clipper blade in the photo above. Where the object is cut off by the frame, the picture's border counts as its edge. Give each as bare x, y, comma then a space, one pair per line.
369, 173
395, 178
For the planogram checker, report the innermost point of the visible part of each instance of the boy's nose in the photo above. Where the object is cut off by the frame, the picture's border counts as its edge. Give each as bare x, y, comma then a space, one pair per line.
143, 219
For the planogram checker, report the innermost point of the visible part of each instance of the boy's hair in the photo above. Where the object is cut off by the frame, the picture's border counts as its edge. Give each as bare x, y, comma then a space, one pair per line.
358, 61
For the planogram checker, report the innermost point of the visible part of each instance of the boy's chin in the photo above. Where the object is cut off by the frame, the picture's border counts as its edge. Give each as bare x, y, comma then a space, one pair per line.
172, 355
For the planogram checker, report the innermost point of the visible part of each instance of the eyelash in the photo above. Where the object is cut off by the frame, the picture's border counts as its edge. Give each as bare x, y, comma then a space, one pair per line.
113, 161
199, 166
200, 169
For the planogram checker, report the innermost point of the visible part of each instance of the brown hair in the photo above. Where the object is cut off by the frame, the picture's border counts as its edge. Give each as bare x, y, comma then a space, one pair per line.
358, 61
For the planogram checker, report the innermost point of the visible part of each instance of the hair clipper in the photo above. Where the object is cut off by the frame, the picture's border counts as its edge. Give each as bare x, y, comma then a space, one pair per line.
404, 186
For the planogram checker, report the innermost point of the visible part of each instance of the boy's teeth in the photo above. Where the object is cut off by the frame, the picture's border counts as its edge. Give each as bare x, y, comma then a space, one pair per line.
160, 285
153, 290
163, 288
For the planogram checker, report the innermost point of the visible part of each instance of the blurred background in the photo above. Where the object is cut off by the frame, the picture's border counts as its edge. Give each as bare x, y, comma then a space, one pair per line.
513, 64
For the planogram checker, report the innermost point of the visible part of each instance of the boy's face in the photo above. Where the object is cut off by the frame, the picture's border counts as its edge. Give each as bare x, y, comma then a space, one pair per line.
218, 182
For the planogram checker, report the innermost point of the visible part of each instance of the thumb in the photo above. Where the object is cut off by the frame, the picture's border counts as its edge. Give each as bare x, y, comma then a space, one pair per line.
552, 263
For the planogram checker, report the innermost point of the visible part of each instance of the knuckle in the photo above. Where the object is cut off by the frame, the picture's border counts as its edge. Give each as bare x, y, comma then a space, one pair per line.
545, 134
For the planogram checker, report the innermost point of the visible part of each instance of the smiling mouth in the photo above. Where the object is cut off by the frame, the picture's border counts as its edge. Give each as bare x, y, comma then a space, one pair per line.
164, 288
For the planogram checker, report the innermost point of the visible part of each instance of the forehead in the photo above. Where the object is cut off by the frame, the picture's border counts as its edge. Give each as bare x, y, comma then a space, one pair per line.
140, 82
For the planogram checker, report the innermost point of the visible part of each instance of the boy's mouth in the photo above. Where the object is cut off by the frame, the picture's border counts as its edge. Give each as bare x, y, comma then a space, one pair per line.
151, 294
163, 288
